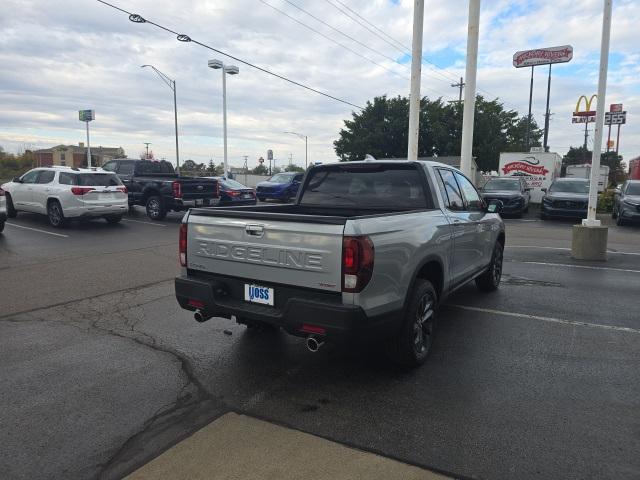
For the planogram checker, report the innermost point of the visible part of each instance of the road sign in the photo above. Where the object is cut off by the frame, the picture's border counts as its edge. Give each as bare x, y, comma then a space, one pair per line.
543, 56
611, 118
86, 115
261, 160
269, 154
615, 108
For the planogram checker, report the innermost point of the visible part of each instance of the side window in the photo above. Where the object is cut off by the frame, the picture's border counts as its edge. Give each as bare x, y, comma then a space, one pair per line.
65, 178
110, 166
125, 168
450, 190
298, 178
166, 167
46, 176
31, 177
474, 202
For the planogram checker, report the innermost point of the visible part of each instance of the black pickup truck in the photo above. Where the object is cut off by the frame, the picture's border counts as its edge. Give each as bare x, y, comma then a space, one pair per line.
156, 186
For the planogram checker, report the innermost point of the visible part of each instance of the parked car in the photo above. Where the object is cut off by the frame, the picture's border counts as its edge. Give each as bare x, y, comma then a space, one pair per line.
3, 209
626, 206
512, 191
234, 193
65, 193
565, 198
368, 251
282, 186
157, 187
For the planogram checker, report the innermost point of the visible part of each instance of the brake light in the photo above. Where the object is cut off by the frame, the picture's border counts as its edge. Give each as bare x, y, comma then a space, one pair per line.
122, 189
233, 193
81, 190
182, 245
177, 189
357, 263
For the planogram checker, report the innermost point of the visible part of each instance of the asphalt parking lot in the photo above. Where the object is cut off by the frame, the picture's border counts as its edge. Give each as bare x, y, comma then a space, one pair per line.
100, 370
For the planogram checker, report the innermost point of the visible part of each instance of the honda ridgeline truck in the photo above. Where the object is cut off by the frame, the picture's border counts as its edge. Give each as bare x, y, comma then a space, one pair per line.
368, 250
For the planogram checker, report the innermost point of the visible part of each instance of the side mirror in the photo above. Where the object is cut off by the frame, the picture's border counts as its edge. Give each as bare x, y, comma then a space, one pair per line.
544, 190
16, 180
495, 206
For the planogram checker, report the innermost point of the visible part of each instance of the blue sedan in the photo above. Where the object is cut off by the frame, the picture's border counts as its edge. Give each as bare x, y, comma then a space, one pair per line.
282, 186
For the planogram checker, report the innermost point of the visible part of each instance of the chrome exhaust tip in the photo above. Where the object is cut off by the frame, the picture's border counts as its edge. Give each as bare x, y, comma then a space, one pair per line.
200, 317
313, 344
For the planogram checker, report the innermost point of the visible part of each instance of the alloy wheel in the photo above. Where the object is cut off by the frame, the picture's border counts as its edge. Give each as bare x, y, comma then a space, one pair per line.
423, 324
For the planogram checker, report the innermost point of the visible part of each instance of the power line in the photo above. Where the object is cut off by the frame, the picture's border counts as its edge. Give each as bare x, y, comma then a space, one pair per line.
134, 17
405, 77
331, 39
403, 48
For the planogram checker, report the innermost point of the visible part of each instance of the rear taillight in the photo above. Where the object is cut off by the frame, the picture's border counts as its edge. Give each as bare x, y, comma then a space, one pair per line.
122, 189
357, 263
182, 245
177, 189
81, 190
233, 193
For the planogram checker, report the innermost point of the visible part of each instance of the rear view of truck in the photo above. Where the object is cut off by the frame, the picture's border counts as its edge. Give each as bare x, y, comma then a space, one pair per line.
339, 264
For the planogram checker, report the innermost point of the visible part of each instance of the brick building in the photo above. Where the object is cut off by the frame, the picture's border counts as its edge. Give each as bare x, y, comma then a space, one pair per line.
76, 155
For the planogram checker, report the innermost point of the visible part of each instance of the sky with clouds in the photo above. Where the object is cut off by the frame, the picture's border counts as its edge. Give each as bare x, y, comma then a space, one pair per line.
59, 56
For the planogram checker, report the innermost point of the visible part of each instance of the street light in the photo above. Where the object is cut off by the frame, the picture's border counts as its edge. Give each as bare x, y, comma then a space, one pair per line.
299, 135
231, 70
172, 86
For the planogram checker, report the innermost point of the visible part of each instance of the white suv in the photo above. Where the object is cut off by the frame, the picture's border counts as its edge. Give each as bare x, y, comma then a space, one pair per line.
3, 210
63, 193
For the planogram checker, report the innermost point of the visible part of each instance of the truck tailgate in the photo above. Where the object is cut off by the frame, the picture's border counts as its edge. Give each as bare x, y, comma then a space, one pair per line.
278, 251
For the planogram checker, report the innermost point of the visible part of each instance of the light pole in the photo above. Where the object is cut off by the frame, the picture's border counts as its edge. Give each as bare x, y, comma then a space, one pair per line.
301, 136
231, 70
172, 86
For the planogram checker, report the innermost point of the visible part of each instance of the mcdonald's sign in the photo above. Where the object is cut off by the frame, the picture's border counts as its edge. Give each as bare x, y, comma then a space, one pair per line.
587, 115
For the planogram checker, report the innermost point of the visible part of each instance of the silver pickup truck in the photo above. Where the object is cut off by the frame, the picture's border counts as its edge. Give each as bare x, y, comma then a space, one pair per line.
367, 251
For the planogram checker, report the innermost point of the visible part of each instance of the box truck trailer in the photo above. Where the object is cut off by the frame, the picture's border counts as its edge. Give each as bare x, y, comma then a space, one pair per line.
634, 169
538, 168
584, 171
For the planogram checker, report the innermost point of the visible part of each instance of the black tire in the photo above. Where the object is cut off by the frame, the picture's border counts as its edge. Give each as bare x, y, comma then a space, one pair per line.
614, 213
113, 218
412, 345
1, 226
11, 211
155, 208
56, 215
489, 281
261, 199
621, 222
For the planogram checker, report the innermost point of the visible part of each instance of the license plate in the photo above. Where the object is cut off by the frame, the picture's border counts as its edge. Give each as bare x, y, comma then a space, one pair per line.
258, 294
247, 195
199, 203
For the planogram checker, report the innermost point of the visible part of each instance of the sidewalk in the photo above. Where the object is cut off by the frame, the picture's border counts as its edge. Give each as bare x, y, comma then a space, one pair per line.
240, 447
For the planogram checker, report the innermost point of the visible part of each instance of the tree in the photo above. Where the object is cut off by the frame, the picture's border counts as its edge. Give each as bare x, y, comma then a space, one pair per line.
381, 130
293, 168
189, 165
260, 170
211, 168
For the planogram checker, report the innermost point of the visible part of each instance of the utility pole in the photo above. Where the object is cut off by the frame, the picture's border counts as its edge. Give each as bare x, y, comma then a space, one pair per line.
473, 31
290, 158
416, 72
546, 115
147, 154
459, 85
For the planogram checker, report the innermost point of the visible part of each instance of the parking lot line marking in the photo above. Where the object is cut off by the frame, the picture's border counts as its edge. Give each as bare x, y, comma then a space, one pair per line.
566, 249
588, 267
38, 230
146, 223
544, 319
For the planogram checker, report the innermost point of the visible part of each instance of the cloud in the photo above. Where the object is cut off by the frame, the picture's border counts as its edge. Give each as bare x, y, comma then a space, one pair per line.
63, 55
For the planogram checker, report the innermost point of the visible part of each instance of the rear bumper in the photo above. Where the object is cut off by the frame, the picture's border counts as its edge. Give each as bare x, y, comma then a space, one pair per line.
180, 204
224, 296
88, 212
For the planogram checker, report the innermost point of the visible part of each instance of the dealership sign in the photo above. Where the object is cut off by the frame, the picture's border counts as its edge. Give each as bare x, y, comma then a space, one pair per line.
543, 56
525, 166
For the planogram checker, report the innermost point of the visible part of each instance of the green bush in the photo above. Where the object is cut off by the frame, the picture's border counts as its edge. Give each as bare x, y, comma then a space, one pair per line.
605, 202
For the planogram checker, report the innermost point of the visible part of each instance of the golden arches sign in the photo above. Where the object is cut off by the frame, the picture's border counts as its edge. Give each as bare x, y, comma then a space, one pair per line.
587, 112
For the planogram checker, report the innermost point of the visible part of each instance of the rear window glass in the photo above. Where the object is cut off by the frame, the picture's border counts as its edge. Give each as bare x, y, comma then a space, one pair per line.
232, 184
146, 168
97, 180
376, 186
125, 168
